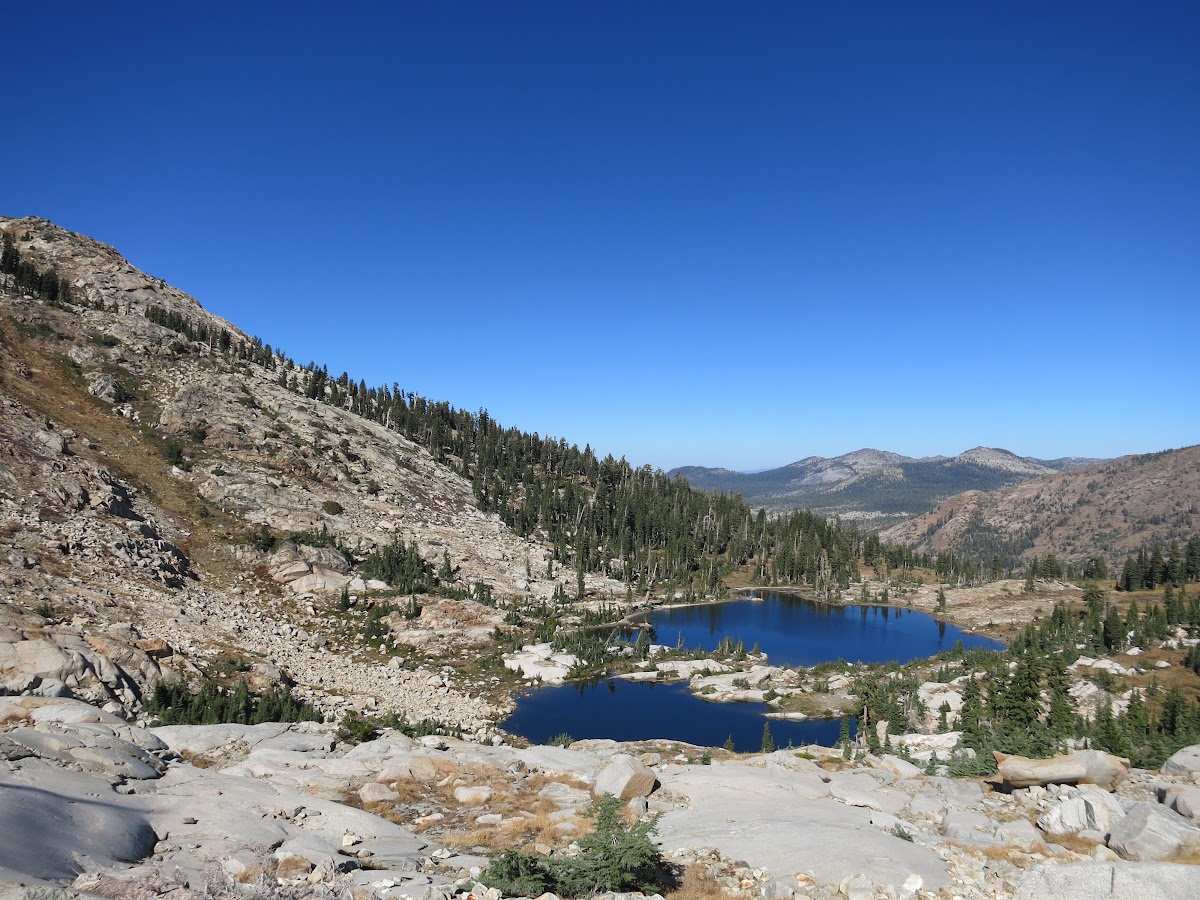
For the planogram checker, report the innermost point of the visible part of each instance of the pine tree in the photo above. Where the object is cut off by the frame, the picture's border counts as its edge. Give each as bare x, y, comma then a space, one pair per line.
768, 742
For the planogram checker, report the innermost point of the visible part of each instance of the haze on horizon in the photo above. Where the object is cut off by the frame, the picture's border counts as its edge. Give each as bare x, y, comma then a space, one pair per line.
687, 233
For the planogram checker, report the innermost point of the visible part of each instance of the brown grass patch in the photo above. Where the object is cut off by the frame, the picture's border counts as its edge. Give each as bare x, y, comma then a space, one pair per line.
527, 819
698, 884
194, 759
521, 832
1072, 842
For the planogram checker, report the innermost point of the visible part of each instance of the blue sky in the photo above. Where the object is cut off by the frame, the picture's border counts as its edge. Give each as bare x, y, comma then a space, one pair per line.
684, 232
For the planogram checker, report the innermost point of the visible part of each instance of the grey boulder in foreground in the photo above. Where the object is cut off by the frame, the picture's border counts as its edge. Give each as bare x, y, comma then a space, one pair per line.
1101, 880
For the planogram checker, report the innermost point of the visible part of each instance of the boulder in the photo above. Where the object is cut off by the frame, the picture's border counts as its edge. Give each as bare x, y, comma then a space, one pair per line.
625, 777
969, 827
1103, 769
1102, 880
1184, 763
1150, 832
1184, 799
471, 795
1083, 766
1020, 833
563, 795
1093, 810
895, 765
107, 388
373, 792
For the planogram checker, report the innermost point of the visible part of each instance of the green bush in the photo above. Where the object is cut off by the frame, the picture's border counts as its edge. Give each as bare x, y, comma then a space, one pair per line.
331, 507
103, 340
261, 540
612, 858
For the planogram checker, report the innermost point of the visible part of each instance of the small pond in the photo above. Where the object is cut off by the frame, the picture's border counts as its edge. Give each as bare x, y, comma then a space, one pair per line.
790, 629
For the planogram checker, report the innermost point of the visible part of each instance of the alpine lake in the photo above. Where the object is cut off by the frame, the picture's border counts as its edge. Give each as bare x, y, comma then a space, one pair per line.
790, 629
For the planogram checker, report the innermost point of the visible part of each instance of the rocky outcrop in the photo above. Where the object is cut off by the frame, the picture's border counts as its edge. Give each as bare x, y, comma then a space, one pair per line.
46, 658
74, 801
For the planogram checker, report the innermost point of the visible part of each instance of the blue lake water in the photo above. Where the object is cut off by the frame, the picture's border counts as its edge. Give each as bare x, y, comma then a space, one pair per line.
797, 631
636, 711
790, 629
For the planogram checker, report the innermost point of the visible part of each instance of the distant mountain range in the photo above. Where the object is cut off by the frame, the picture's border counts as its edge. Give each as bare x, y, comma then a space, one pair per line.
876, 486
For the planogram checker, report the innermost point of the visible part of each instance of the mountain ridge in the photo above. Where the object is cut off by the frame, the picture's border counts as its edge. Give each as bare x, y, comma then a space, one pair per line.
874, 485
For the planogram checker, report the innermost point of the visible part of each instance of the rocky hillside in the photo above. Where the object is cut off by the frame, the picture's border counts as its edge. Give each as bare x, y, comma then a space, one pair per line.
875, 486
167, 503
1110, 508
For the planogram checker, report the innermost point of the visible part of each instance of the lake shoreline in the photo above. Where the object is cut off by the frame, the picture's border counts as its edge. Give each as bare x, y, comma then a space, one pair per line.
804, 632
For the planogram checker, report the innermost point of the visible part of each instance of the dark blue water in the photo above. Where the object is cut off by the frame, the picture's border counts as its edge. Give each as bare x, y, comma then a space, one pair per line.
799, 632
636, 711
790, 629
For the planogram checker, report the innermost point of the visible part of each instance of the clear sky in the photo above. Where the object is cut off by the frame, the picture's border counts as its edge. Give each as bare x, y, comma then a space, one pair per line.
685, 232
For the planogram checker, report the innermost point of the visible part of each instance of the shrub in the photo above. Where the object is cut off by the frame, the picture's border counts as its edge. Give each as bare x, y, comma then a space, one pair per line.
611, 858
561, 740
261, 540
331, 507
173, 453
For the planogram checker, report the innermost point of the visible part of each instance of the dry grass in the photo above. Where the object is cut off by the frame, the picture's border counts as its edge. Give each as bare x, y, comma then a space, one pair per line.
698, 884
1072, 842
194, 759
528, 821
521, 832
